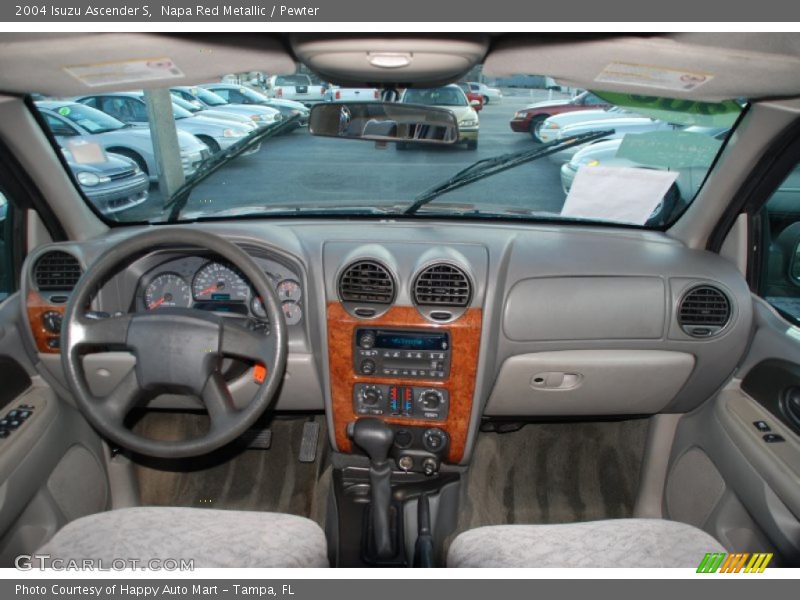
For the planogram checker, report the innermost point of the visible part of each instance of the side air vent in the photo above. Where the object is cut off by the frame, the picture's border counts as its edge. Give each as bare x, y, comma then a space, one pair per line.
442, 284
56, 271
366, 281
704, 310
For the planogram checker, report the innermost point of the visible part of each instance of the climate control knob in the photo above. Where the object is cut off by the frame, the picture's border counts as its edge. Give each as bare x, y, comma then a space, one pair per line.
431, 399
434, 440
370, 396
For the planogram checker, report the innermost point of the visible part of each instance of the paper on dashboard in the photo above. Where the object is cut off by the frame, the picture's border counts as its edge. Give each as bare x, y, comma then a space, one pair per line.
620, 194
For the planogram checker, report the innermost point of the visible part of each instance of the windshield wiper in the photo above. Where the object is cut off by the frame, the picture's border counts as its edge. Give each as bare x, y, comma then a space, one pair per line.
213, 163
497, 164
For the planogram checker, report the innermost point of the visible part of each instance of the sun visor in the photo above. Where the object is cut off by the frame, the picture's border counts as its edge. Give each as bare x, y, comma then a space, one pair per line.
72, 64
651, 66
406, 61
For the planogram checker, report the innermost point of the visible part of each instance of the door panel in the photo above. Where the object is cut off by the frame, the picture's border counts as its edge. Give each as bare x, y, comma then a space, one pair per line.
52, 468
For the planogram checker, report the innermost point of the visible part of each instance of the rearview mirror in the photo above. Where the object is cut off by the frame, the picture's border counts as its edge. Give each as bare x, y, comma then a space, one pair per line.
384, 122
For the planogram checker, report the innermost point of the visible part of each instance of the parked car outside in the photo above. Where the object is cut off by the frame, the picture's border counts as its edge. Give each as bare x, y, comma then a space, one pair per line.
475, 99
619, 128
241, 95
530, 118
113, 185
261, 116
334, 93
449, 97
550, 128
489, 94
605, 154
130, 107
295, 87
71, 122
200, 111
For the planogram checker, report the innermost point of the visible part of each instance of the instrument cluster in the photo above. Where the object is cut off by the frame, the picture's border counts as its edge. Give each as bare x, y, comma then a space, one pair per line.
214, 285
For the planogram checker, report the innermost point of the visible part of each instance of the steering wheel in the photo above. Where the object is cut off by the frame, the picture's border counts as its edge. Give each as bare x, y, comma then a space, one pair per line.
177, 350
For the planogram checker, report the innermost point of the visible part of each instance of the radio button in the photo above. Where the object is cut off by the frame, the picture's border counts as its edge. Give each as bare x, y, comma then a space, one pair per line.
367, 340
368, 366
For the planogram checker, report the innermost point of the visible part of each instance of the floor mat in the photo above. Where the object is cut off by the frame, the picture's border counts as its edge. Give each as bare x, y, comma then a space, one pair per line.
235, 477
554, 473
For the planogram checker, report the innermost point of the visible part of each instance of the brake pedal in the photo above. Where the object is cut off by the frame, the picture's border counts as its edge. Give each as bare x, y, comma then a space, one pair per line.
308, 446
259, 439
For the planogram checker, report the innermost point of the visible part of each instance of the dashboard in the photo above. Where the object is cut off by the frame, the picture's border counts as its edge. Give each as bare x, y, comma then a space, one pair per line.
434, 326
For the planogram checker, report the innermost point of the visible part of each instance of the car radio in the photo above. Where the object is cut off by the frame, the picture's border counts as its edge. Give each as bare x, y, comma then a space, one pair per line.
401, 353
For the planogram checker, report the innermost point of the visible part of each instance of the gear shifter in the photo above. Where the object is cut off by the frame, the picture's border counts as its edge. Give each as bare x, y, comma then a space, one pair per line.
375, 438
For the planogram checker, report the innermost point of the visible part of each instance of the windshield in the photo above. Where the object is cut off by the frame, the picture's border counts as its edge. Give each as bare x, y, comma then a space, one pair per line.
208, 97
292, 80
93, 121
640, 160
182, 104
445, 96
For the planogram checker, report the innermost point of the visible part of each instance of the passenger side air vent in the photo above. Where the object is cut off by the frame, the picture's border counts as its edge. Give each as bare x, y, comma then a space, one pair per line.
56, 271
366, 281
442, 284
704, 310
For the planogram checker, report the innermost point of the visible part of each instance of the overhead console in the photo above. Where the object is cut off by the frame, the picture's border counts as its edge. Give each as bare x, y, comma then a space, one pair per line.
404, 332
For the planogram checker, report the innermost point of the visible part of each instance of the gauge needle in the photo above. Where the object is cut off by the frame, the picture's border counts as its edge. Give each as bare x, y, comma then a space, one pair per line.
209, 289
157, 303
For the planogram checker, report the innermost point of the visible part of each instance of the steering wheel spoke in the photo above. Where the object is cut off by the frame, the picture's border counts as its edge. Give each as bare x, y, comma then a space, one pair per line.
109, 331
116, 405
218, 400
240, 341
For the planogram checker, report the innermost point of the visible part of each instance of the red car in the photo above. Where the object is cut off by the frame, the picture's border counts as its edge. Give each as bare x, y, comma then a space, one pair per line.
471, 95
529, 119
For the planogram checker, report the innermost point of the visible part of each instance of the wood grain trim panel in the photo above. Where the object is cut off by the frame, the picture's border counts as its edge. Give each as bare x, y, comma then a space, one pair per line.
38, 306
465, 334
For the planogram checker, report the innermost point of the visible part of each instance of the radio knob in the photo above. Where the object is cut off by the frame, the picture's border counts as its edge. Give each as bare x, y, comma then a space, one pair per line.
370, 396
367, 340
368, 366
431, 399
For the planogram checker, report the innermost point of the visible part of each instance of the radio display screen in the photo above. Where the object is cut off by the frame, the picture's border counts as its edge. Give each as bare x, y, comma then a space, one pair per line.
412, 341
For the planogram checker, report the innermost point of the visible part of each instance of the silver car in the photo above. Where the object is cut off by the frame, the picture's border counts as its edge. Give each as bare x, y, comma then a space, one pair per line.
71, 122
243, 95
201, 98
130, 107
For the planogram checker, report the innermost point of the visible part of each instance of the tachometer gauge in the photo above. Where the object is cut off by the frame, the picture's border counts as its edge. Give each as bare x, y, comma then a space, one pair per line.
292, 312
216, 281
167, 290
289, 289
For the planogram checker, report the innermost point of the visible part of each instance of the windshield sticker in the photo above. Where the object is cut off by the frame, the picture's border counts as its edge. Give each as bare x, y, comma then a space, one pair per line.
678, 111
618, 194
671, 149
87, 152
130, 71
652, 77
64, 111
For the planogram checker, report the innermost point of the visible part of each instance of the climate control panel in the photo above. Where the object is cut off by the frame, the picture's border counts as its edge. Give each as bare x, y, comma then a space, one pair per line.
413, 402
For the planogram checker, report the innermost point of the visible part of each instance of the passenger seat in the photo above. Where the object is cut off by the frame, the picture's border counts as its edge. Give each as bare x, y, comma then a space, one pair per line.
613, 543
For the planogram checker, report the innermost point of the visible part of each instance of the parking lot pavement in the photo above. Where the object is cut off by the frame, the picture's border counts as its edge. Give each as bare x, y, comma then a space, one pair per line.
301, 168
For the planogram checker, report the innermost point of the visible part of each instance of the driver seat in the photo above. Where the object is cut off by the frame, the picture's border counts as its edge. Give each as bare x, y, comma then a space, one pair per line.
210, 537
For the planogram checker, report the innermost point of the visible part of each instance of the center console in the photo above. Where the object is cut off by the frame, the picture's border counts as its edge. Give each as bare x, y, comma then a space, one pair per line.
416, 375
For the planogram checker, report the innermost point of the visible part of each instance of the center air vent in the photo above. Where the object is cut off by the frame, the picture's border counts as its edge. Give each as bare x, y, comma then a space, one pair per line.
56, 271
704, 311
366, 281
442, 284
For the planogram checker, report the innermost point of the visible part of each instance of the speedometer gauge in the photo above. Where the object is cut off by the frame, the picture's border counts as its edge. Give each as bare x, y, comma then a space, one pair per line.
167, 290
216, 281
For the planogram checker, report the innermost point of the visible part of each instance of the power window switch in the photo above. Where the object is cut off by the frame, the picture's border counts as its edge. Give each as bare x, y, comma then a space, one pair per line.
762, 426
773, 438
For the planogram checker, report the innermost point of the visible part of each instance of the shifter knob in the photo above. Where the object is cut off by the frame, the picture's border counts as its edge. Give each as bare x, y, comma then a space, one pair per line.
374, 437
